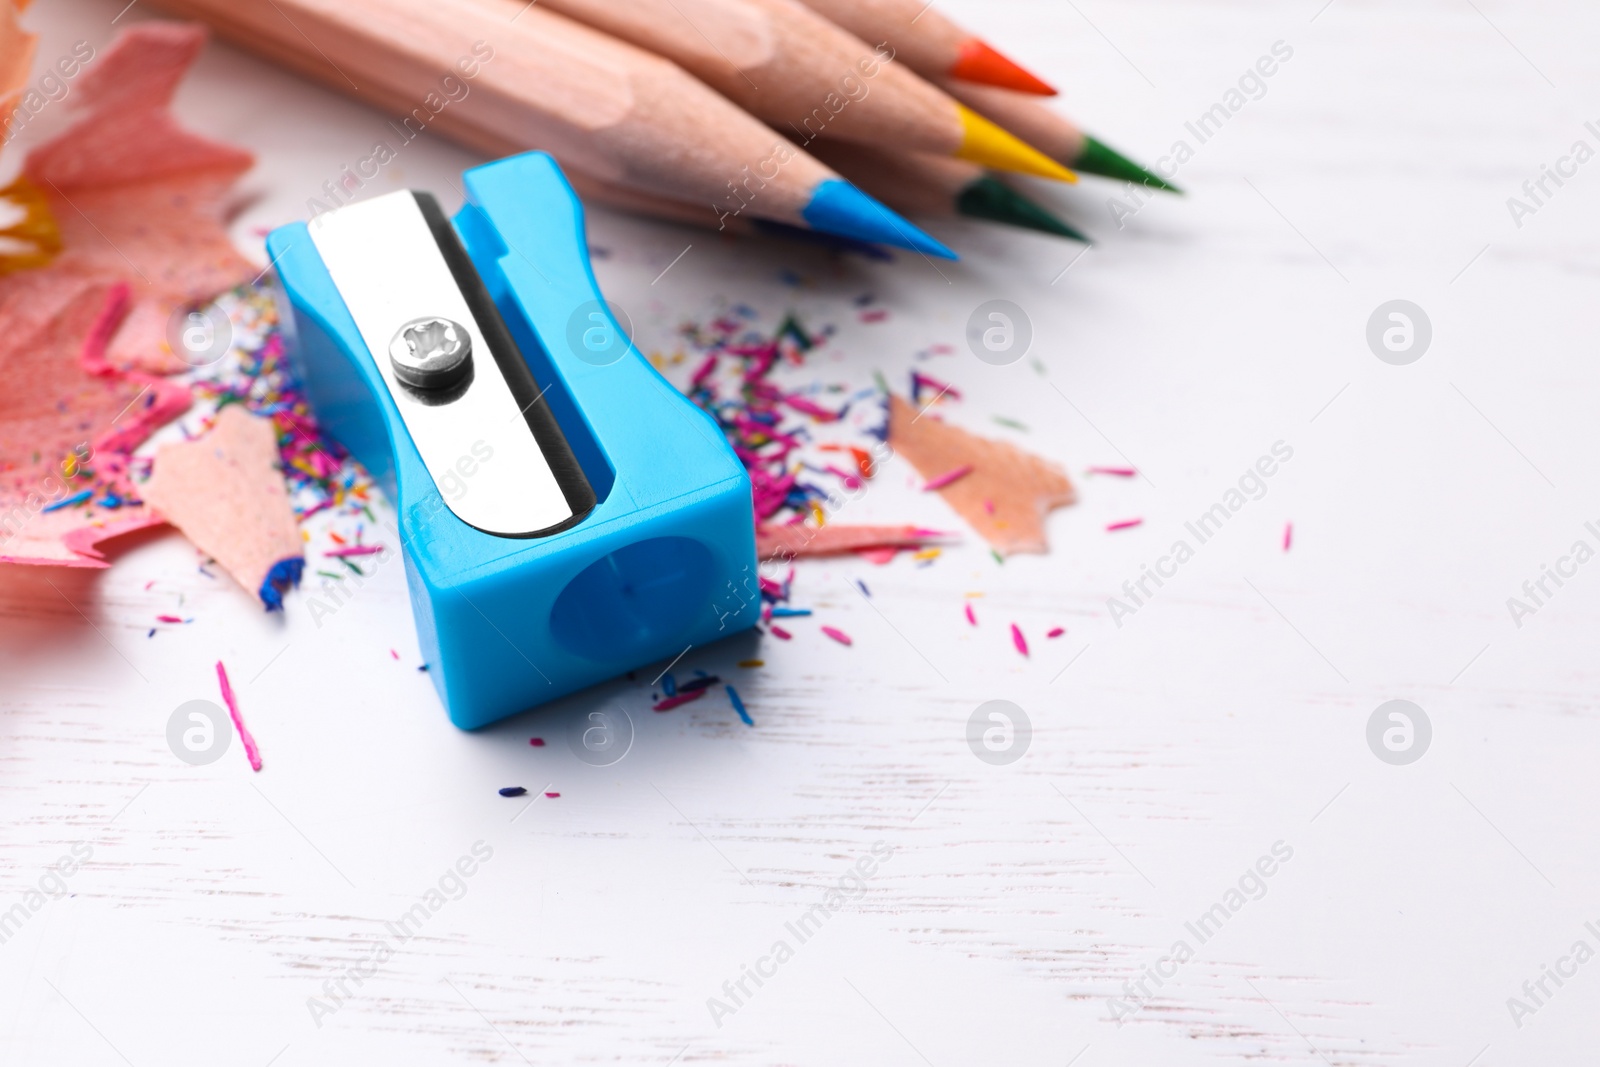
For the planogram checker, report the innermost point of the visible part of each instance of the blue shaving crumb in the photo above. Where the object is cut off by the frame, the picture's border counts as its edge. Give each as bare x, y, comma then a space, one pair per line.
75, 498
738, 705
284, 573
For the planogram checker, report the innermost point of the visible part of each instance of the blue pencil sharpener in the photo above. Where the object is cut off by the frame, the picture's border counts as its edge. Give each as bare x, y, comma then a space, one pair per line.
565, 514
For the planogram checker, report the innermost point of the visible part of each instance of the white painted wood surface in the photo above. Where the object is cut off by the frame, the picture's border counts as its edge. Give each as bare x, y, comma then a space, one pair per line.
1169, 754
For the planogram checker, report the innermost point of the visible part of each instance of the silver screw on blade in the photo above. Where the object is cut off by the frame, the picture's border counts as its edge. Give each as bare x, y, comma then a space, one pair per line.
431, 353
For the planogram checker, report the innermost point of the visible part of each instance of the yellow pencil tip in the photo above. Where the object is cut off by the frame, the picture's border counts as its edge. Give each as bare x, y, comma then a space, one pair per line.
985, 143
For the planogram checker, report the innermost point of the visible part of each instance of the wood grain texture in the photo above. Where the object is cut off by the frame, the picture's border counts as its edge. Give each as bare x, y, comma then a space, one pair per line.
913, 183
789, 66
537, 80
923, 37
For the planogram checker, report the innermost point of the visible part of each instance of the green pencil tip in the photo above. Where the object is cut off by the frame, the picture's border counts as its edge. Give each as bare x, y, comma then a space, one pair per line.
1099, 158
988, 198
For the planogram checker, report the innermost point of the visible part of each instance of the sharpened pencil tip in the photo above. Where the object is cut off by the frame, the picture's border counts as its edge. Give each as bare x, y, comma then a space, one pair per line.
978, 62
839, 207
989, 145
988, 198
1099, 158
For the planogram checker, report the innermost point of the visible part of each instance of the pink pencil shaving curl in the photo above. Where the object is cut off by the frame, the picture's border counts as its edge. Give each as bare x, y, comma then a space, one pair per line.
704, 370
947, 478
355, 550
683, 698
1120, 472
806, 407
1125, 524
928, 381
251, 752
838, 635
1018, 640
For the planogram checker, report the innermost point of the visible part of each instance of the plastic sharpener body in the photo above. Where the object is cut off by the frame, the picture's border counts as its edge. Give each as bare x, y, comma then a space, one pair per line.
564, 513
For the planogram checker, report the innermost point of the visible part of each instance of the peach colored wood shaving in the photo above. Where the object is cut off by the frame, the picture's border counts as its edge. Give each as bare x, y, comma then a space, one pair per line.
1022, 488
225, 492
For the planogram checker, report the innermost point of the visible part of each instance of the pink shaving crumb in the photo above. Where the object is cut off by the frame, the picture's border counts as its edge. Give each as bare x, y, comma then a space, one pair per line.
780, 633
851, 481
972, 618
1057, 632
838, 635
806, 407
1018, 640
682, 698
552, 796
252, 753
1288, 535
704, 370
536, 742
393, 653
920, 381
947, 478
1125, 524
1120, 472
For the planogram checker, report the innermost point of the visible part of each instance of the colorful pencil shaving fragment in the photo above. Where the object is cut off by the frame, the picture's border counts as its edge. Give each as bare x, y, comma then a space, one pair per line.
682, 698
947, 478
738, 705
252, 753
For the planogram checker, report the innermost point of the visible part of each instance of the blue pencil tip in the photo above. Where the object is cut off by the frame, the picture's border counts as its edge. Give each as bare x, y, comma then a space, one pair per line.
284, 573
839, 207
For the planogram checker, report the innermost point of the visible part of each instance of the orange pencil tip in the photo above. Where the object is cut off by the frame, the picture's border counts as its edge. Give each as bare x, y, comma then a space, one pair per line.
980, 63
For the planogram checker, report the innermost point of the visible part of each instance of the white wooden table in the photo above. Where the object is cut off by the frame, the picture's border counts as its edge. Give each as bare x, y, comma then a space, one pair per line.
1021, 905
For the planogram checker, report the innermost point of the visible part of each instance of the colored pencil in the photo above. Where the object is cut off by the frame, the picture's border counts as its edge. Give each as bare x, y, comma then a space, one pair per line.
789, 66
593, 190
917, 184
928, 43
481, 69
1026, 117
